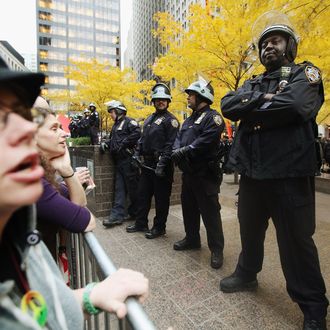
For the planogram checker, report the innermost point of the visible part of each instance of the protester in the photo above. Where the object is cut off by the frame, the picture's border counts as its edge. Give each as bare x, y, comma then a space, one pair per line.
60, 205
33, 294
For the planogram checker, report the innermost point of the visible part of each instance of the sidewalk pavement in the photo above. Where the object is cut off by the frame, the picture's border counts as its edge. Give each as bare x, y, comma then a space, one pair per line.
185, 289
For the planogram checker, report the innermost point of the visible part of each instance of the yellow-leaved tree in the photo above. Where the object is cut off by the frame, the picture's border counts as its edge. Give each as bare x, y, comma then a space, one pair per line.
100, 82
219, 44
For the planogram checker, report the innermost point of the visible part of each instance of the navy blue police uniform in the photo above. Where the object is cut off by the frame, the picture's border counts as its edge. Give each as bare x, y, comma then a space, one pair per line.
201, 176
123, 139
84, 127
155, 148
94, 123
274, 151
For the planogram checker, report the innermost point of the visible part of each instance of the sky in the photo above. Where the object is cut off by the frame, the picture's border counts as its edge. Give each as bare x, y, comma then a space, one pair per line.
18, 23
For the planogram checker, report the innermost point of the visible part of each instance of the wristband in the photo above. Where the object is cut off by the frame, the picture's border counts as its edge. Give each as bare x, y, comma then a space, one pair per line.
87, 304
67, 177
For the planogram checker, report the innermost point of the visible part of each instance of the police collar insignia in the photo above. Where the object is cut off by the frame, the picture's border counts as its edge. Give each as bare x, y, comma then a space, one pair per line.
159, 120
313, 74
285, 72
200, 118
120, 127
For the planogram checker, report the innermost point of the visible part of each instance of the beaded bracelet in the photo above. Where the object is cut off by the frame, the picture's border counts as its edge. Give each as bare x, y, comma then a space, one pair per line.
88, 306
67, 177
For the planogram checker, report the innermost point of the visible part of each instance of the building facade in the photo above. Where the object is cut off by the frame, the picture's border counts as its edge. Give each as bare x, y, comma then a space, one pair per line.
31, 61
145, 47
179, 9
14, 60
75, 30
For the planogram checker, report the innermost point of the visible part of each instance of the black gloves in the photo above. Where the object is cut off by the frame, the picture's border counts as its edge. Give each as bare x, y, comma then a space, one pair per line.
179, 154
160, 170
136, 161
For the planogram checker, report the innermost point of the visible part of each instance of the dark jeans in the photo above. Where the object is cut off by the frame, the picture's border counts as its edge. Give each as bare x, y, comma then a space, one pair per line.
199, 197
160, 187
126, 184
291, 205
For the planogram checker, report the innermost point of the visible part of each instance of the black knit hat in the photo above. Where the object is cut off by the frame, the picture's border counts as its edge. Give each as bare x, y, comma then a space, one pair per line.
30, 82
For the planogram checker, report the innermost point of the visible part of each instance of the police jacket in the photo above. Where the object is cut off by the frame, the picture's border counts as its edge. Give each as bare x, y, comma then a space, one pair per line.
124, 135
158, 136
84, 127
275, 139
201, 131
94, 120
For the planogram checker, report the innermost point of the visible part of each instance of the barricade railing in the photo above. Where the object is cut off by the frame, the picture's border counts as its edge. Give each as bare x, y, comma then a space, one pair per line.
90, 263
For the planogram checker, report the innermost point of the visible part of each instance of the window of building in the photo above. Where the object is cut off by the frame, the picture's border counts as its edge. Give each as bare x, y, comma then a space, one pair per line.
45, 16
43, 28
43, 53
43, 66
45, 41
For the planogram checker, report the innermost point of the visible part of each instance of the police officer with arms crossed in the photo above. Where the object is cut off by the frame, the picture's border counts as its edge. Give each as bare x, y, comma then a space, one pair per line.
196, 151
274, 151
155, 148
94, 123
123, 138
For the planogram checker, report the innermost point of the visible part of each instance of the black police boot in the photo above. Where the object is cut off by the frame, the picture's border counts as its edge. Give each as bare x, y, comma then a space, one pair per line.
184, 244
111, 222
216, 259
134, 228
314, 324
154, 233
235, 283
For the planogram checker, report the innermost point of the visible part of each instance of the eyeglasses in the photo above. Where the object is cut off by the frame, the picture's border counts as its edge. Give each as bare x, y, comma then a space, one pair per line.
33, 114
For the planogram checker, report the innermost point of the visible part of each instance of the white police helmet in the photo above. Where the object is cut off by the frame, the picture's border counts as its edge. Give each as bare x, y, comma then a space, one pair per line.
92, 105
203, 89
161, 91
117, 106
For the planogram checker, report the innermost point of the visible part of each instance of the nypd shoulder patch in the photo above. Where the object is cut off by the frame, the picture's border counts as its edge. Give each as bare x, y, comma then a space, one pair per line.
313, 74
217, 119
134, 123
174, 123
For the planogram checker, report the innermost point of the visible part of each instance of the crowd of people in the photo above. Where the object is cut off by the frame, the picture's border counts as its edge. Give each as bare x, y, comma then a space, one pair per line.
86, 124
276, 108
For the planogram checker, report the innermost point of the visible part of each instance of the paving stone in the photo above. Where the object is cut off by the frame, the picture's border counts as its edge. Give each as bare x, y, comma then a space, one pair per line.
185, 289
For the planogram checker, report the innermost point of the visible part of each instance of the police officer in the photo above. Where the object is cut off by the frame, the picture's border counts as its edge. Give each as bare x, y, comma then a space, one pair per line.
155, 147
197, 153
94, 123
274, 151
73, 126
123, 138
84, 126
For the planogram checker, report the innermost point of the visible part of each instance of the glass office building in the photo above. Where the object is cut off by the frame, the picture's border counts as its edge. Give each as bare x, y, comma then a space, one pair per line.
75, 29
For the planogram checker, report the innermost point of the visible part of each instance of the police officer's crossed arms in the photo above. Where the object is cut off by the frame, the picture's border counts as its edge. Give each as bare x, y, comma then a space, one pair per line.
274, 151
123, 139
154, 155
197, 154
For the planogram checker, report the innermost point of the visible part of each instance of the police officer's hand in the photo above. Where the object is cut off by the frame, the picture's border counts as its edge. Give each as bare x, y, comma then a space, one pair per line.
103, 147
136, 161
160, 170
178, 154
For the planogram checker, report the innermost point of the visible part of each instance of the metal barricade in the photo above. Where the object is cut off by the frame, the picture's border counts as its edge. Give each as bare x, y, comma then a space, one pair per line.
90, 263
